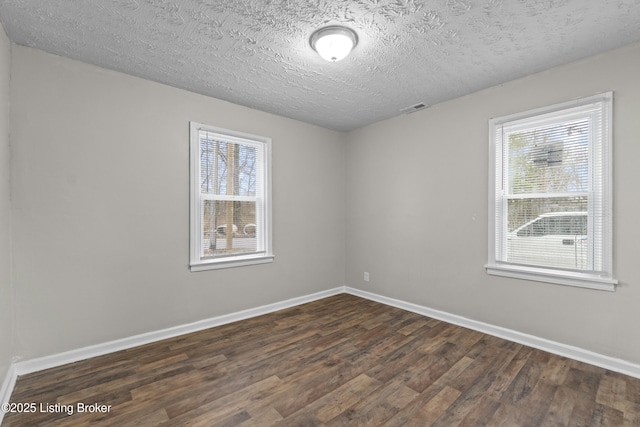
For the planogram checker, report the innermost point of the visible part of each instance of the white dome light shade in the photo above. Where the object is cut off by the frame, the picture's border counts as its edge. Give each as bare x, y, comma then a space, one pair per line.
334, 47
333, 43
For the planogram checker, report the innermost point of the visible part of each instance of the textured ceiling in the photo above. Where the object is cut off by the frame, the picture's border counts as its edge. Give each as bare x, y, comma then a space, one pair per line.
257, 53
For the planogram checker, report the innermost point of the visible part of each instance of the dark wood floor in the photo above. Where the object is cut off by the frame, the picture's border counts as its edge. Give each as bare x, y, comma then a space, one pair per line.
340, 361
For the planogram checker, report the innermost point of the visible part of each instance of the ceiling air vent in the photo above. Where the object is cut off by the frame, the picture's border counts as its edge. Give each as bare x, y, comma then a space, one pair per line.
414, 108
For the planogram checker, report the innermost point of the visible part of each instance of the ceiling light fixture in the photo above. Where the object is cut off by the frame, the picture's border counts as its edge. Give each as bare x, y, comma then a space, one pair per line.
333, 43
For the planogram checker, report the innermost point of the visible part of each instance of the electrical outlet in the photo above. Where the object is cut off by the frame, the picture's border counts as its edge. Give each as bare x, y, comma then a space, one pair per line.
366, 276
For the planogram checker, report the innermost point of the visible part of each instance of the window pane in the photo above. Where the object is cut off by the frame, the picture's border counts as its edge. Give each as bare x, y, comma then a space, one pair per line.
522, 211
549, 159
227, 168
548, 232
218, 218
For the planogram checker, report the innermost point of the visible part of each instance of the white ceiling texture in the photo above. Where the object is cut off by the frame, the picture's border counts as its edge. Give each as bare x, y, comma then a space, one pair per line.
256, 52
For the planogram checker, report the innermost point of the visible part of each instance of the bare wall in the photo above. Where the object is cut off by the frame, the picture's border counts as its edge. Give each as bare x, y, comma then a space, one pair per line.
6, 292
100, 178
417, 218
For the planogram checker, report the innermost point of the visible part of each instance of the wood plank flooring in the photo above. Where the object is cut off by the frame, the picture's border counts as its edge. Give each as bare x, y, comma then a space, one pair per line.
340, 361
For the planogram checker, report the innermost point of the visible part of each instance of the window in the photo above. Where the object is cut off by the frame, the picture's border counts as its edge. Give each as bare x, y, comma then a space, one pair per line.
550, 194
230, 198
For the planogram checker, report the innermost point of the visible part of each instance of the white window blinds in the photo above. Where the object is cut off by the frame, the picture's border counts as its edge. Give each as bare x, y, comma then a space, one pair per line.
552, 190
229, 196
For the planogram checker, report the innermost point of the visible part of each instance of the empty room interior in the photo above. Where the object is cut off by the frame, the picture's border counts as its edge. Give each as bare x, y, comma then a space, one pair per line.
206, 219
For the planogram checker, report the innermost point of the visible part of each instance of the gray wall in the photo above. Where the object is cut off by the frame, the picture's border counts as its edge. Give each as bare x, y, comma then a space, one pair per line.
101, 186
6, 292
100, 209
417, 211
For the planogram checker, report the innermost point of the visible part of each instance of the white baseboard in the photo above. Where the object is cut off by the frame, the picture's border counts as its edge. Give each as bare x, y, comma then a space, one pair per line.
46, 362
7, 387
576, 353
41, 363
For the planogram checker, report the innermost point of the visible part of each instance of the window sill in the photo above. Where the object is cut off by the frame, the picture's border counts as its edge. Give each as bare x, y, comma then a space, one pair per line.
231, 262
568, 278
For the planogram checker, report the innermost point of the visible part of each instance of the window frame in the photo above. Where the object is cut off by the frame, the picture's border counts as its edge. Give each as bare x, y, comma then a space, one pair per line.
601, 280
196, 262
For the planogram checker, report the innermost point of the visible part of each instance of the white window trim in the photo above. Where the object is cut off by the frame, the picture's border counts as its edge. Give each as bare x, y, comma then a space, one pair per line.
590, 280
195, 263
